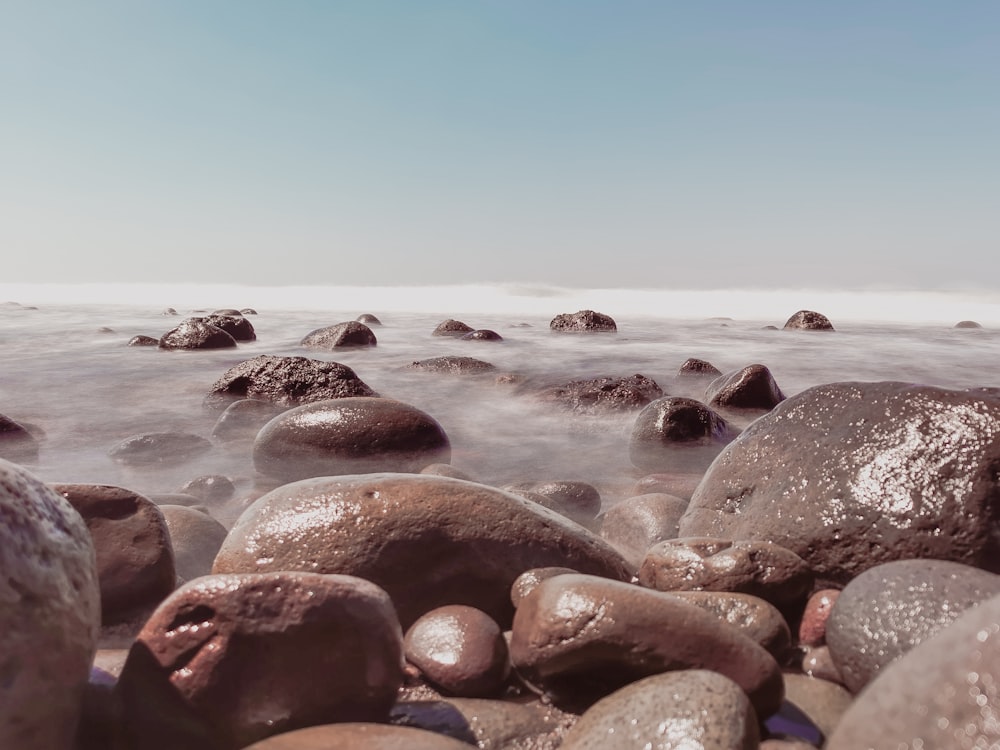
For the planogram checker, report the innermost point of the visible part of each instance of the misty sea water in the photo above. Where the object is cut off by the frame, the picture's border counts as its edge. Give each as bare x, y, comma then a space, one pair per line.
68, 373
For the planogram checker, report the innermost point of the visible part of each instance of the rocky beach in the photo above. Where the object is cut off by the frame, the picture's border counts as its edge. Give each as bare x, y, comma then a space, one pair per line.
294, 529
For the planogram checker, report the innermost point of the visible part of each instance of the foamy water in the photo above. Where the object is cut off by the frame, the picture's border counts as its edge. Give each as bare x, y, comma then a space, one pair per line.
67, 372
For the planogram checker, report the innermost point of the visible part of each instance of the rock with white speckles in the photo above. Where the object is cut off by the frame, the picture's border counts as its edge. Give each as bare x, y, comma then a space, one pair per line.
851, 475
943, 694
889, 609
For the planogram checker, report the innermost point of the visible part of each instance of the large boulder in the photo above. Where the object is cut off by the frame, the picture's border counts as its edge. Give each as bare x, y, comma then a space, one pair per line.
850, 475
49, 613
427, 540
349, 436
677, 434
583, 321
196, 333
286, 381
350, 333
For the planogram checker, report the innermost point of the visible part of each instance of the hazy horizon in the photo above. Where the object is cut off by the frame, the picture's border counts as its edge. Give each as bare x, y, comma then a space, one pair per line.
577, 144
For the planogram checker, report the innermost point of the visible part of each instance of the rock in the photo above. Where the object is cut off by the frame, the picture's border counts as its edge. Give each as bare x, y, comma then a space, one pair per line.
823, 702
455, 365
677, 434
889, 609
447, 470
286, 381
354, 735
49, 613
143, 341
248, 311
851, 475
812, 628
17, 444
169, 311
233, 323
817, 662
584, 320
605, 394
212, 488
753, 387
635, 524
757, 619
427, 540
525, 583
681, 484
231, 312
580, 637
692, 708
941, 694
135, 560
349, 436
159, 448
577, 500
482, 334
807, 320
759, 568
196, 333
243, 419
697, 367
228, 660
967, 324
460, 650
368, 319
452, 327
351, 333
195, 537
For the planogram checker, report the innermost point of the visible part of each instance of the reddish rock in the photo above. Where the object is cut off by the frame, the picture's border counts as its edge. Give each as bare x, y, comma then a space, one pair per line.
812, 628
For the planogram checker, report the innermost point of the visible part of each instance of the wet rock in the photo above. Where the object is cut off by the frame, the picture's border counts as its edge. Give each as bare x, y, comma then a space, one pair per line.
429, 541
233, 323
851, 475
583, 320
452, 327
753, 387
195, 537
807, 320
152, 448
243, 419
968, 324
447, 470
823, 702
698, 368
286, 381
196, 333
677, 434
349, 436
248, 311
354, 735
889, 609
227, 311
169, 311
637, 523
135, 560
941, 694
482, 334
759, 568
580, 637
681, 484
49, 613
212, 488
693, 708
454, 365
460, 650
229, 660
606, 394
351, 333
143, 341
368, 319
17, 444
812, 628
817, 662
525, 583
577, 500
758, 620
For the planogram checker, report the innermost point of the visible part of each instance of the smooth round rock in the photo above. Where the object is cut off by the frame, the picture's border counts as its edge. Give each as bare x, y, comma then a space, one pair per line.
578, 638
286, 381
889, 609
349, 436
351, 333
356, 735
753, 387
451, 327
135, 559
851, 475
635, 524
758, 620
583, 321
152, 448
212, 488
968, 324
677, 434
808, 320
143, 341
233, 323
195, 537
525, 583
460, 650
693, 708
482, 334
368, 319
49, 613
580, 501
427, 540
228, 660
196, 333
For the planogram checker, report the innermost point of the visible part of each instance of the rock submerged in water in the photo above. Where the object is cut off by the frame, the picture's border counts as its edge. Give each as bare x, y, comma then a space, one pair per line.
354, 435
233, 323
17, 444
152, 448
452, 327
196, 333
603, 394
677, 434
341, 335
752, 387
452, 364
583, 321
807, 320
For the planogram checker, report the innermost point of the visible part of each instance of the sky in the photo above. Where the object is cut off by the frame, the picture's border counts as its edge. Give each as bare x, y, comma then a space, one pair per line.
624, 143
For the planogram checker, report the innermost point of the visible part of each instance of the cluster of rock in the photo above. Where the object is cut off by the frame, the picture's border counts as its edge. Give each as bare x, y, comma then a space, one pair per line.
825, 576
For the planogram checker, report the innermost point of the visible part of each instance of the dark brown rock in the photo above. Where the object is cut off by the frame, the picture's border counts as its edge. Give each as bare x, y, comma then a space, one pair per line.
135, 560
286, 381
49, 613
454, 365
577, 500
429, 541
233, 323
229, 660
349, 436
698, 367
351, 333
807, 320
606, 394
143, 341
195, 537
452, 327
17, 444
758, 620
580, 637
583, 321
677, 434
482, 334
753, 387
967, 324
851, 475
460, 650
152, 448
525, 583
196, 333
635, 524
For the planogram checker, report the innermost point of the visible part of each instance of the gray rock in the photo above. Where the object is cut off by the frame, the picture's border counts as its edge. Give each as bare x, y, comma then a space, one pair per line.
195, 537
606, 394
354, 735
451, 327
233, 323
452, 364
151, 448
17, 444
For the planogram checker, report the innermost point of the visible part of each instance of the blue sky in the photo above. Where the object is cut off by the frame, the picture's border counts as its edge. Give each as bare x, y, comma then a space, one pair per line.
591, 144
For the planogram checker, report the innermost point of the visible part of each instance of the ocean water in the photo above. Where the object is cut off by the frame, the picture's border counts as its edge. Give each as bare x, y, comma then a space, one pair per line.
67, 372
